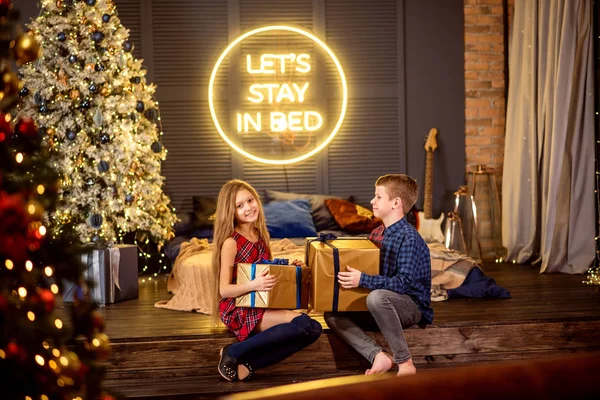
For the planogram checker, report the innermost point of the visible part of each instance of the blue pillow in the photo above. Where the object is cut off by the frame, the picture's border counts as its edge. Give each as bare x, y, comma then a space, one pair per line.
287, 219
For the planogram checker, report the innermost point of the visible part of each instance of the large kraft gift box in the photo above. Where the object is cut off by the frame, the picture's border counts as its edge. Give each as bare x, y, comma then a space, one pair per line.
326, 258
114, 273
290, 292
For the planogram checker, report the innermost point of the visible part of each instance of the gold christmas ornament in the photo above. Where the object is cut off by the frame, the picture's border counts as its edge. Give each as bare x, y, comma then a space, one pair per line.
104, 91
89, 67
35, 209
59, 4
162, 209
26, 49
62, 78
74, 94
50, 132
10, 83
134, 166
69, 363
51, 144
100, 345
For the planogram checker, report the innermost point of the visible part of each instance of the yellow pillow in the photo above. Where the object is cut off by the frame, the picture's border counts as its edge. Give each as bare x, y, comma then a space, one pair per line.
351, 217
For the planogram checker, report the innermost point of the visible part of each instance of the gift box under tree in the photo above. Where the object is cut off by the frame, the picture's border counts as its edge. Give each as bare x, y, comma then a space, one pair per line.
328, 255
114, 274
290, 292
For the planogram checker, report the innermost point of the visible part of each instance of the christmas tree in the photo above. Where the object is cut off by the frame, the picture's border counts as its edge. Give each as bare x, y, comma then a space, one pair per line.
101, 123
43, 354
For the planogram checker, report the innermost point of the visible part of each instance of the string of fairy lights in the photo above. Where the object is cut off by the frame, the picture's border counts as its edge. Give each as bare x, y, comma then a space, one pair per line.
593, 276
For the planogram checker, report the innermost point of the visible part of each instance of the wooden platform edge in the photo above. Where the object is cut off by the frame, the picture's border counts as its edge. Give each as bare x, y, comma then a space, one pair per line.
430, 348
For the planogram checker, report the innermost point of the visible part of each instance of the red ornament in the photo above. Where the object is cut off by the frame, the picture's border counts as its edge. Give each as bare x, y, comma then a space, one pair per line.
13, 242
97, 321
6, 129
27, 128
12, 350
83, 371
34, 300
4, 7
47, 298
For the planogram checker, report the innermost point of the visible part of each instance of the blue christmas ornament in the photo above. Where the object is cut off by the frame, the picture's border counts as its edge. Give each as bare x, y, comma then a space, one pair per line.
103, 166
139, 107
156, 147
127, 46
97, 36
95, 221
71, 134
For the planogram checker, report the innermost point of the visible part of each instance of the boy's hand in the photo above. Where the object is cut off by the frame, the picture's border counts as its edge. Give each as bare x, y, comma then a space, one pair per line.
349, 279
298, 263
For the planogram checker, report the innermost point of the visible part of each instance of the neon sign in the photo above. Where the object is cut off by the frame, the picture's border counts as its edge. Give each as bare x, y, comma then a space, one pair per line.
277, 94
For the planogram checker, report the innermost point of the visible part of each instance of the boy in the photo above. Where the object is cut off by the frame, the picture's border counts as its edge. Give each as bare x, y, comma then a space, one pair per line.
400, 296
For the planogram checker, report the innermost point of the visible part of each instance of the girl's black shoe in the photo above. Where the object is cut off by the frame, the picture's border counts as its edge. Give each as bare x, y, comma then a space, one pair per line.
227, 365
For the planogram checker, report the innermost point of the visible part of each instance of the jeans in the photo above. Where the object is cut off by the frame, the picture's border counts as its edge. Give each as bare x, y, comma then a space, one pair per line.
392, 312
277, 343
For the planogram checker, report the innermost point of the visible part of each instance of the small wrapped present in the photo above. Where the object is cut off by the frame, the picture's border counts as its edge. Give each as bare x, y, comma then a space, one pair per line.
290, 292
114, 272
326, 256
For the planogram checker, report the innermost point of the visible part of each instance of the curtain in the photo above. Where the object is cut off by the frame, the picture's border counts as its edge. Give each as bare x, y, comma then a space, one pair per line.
548, 206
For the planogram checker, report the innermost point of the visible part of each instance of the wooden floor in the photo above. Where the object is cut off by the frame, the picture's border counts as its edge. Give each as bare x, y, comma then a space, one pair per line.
161, 353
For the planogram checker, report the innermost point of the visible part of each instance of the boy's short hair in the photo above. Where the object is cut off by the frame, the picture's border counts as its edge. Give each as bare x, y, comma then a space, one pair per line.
400, 185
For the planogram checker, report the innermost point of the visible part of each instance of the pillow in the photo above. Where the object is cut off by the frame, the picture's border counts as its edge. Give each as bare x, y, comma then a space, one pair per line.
204, 209
351, 217
287, 219
322, 218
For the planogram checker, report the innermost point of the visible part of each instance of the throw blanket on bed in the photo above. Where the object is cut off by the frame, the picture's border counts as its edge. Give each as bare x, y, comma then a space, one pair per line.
192, 275
449, 269
191, 278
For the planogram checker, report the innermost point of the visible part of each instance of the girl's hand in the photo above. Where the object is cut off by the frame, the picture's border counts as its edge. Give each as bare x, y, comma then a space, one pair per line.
264, 281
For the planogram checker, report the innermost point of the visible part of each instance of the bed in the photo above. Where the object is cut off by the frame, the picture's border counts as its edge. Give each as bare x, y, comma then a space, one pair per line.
291, 217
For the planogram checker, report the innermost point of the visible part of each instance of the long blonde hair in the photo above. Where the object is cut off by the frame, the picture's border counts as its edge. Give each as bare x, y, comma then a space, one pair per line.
225, 222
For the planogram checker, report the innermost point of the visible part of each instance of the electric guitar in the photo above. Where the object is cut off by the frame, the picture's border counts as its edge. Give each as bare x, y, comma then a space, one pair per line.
429, 228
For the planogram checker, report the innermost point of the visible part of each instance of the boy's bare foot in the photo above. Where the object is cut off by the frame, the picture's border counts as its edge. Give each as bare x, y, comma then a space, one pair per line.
383, 363
407, 368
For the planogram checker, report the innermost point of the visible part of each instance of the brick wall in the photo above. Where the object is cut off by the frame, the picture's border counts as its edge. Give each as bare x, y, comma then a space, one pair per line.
485, 84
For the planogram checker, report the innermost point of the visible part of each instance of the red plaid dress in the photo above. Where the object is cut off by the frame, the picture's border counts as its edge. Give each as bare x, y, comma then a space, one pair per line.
242, 320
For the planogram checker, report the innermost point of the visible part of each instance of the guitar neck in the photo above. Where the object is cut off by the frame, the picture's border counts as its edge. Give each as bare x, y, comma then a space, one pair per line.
428, 194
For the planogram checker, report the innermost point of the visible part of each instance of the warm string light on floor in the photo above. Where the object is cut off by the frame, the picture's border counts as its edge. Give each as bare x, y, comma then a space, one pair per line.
147, 257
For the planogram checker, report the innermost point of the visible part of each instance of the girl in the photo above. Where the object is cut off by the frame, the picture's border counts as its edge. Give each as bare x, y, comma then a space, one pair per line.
265, 336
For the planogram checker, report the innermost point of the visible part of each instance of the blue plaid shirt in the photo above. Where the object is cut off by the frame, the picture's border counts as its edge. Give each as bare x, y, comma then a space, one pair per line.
405, 267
